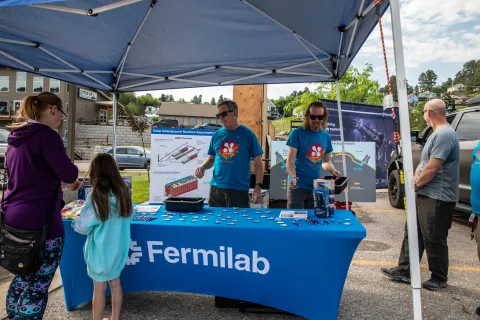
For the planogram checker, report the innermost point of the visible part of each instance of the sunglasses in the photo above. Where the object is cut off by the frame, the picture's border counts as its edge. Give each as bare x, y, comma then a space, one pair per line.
223, 114
319, 117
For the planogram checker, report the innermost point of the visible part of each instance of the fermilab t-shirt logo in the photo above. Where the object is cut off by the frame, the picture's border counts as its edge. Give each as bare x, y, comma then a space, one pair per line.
315, 153
228, 149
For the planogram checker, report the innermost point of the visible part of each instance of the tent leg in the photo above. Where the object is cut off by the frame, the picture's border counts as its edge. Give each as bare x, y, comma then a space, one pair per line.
407, 158
114, 140
342, 138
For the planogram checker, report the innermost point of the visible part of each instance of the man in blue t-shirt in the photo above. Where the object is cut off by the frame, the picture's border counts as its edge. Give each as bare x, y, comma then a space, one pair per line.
230, 153
309, 149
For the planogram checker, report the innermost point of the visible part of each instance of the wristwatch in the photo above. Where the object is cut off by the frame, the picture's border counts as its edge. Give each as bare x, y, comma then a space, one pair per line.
259, 184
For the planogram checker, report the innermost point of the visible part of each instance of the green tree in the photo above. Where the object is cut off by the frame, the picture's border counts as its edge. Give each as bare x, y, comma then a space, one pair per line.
427, 80
221, 99
181, 100
155, 119
393, 85
139, 125
163, 98
143, 102
469, 76
355, 86
126, 98
213, 102
170, 98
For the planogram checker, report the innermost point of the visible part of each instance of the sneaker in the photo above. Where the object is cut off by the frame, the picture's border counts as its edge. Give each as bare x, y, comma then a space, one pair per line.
396, 275
434, 285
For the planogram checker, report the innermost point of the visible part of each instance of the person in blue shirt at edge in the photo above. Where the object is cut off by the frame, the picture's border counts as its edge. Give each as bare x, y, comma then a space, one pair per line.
309, 149
475, 197
231, 150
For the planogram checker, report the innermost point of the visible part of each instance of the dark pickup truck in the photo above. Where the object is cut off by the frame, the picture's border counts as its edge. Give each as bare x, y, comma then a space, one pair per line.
466, 122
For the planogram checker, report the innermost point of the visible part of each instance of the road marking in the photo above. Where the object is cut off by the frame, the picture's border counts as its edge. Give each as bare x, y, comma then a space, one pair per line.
394, 264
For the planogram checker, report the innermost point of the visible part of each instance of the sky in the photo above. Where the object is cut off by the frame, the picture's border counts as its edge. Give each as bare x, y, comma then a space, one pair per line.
440, 35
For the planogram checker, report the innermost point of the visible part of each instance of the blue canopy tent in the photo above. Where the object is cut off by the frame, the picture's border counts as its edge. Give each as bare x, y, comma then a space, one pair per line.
135, 45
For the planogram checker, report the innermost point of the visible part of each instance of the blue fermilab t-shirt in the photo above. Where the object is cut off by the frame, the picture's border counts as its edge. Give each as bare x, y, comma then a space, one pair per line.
233, 151
311, 147
475, 180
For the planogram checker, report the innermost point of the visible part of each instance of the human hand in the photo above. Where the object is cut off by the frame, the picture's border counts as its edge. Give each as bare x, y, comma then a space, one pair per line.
199, 172
257, 195
337, 174
75, 186
293, 183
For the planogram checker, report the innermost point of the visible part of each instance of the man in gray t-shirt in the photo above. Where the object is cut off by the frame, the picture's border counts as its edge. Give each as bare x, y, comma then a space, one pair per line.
436, 183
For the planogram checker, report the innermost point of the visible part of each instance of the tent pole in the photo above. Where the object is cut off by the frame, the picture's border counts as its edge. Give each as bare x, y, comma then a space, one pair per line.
342, 139
114, 140
407, 158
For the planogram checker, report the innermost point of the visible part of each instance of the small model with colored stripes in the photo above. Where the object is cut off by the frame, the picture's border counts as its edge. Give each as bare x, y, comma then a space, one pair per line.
181, 186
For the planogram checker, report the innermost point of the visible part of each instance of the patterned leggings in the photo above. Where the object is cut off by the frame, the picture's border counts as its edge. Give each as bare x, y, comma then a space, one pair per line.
27, 296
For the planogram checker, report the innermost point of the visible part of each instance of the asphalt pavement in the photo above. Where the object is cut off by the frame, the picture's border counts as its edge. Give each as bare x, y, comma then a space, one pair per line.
367, 293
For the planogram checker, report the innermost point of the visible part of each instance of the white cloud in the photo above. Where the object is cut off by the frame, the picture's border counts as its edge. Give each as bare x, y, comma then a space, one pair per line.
477, 27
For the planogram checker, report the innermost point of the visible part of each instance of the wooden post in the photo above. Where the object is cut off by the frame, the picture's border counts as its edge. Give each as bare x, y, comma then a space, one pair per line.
252, 111
71, 120
252, 105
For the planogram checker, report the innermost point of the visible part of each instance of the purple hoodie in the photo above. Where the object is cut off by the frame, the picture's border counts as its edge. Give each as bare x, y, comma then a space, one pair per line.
36, 162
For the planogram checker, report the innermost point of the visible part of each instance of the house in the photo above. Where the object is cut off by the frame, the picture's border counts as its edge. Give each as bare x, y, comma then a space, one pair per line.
188, 115
151, 112
412, 99
427, 96
474, 102
272, 112
16, 85
456, 88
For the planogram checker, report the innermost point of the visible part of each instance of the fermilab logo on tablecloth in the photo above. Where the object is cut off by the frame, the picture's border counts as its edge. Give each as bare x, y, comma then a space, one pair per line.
223, 258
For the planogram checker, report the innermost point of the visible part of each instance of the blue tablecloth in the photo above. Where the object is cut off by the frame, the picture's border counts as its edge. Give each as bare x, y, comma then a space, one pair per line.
301, 270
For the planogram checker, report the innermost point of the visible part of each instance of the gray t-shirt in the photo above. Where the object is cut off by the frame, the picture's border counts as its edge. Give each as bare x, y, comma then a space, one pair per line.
442, 144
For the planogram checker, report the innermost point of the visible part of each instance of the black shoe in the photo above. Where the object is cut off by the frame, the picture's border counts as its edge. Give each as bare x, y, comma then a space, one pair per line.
396, 275
434, 285
478, 311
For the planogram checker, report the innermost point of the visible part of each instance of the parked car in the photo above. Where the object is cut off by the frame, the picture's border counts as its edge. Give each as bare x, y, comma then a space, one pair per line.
466, 123
131, 157
3, 146
208, 126
166, 123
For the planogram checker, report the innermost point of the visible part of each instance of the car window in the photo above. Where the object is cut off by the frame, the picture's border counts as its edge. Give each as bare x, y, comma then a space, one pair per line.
3, 136
450, 119
121, 150
467, 128
132, 151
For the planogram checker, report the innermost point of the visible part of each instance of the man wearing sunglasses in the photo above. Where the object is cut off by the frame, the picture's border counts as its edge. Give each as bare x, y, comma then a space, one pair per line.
309, 149
230, 153
231, 150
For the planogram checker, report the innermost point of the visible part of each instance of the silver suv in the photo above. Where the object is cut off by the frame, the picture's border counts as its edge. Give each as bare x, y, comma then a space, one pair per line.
131, 157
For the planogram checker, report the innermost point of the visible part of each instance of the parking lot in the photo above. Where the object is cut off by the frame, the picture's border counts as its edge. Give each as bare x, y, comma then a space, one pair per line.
367, 293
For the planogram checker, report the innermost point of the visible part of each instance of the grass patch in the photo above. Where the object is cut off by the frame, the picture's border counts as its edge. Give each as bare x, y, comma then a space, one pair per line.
281, 125
140, 187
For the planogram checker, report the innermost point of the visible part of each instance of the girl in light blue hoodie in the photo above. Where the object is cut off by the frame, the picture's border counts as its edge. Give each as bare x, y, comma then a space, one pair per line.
105, 219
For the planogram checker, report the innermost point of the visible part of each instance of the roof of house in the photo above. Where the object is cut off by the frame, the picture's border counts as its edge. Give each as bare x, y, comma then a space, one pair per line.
474, 100
187, 110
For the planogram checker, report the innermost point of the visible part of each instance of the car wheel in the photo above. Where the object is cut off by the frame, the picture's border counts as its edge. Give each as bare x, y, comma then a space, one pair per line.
147, 165
396, 191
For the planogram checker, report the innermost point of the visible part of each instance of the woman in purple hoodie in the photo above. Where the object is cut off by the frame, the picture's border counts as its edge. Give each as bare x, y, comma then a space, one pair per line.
36, 163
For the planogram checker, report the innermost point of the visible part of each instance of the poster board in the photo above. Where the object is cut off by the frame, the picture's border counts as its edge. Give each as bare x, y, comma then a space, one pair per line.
360, 157
175, 154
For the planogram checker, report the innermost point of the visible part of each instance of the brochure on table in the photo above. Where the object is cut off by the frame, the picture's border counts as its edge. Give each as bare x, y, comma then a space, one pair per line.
360, 157
175, 154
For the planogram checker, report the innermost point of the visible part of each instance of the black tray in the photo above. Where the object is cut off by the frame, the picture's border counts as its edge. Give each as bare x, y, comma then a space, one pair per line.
340, 184
184, 204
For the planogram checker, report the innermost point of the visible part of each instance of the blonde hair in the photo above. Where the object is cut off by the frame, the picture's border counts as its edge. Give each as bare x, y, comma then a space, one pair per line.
32, 107
306, 116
